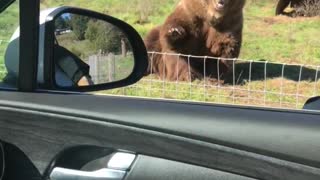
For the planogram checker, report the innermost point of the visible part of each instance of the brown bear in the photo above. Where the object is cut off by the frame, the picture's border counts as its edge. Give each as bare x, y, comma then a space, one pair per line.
307, 8
283, 4
210, 28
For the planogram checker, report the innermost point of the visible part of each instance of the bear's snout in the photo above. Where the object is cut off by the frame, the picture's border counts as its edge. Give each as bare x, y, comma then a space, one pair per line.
221, 2
220, 5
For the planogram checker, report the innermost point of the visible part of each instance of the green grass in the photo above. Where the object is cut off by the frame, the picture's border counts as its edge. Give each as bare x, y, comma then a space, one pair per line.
283, 40
8, 23
279, 39
265, 37
2, 68
2, 50
274, 92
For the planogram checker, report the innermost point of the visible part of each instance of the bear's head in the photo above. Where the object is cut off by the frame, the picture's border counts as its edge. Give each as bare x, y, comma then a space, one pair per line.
219, 9
212, 11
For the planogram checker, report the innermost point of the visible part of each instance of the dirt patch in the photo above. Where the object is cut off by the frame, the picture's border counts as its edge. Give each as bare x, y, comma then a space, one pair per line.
285, 19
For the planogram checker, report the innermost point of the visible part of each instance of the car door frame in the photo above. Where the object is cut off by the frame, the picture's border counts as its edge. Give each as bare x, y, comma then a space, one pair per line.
29, 48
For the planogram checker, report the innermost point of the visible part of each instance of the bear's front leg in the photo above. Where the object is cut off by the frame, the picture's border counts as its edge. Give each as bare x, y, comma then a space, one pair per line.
281, 6
224, 45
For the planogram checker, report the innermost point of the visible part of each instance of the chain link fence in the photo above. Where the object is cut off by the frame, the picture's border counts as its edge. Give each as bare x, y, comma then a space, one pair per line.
249, 82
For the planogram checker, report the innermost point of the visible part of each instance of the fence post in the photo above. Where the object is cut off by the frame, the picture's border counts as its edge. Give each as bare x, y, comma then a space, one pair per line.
99, 68
123, 47
94, 68
111, 67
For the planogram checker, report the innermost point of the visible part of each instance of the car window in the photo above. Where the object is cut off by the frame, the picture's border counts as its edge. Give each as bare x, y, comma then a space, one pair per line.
273, 61
9, 21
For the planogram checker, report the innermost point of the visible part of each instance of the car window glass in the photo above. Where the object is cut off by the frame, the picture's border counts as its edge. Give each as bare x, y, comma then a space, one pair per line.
9, 53
276, 65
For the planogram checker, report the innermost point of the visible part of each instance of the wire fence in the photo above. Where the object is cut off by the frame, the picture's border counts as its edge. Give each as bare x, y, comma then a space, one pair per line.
248, 82
110, 67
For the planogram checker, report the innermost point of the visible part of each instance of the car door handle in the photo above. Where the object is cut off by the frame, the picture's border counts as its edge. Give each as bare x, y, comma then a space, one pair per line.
116, 169
102, 174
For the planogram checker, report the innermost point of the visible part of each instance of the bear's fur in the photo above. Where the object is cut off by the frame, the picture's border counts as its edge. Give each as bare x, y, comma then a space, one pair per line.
199, 28
307, 8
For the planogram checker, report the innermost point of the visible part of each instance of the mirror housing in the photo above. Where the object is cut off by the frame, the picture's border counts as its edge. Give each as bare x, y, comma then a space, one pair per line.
138, 49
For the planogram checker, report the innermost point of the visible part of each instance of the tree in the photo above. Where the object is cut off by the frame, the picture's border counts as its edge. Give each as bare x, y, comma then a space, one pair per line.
79, 25
60, 23
123, 47
92, 31
106, 37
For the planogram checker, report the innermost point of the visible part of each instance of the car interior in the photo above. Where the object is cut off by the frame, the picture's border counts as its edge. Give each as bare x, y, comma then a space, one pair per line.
214, 143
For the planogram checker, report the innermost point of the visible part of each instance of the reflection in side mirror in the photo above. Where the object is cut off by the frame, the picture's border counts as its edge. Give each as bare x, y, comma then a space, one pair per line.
90, 51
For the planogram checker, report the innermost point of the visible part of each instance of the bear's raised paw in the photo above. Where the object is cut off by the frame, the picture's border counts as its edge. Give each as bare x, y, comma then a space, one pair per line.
176, 33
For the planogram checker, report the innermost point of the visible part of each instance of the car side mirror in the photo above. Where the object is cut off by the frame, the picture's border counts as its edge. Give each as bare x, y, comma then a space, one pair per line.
89, 51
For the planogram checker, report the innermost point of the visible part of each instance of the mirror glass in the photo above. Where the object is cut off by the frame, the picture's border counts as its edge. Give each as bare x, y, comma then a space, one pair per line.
90, 51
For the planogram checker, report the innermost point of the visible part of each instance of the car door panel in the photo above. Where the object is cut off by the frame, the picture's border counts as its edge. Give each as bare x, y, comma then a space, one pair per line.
147, 167
50, 123
201, 139
281, 134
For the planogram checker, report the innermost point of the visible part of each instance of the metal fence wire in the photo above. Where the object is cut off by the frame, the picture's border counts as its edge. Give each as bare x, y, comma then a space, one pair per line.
248, 82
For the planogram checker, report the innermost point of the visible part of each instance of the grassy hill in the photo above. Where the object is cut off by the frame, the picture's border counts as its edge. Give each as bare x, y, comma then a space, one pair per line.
142, 14
8, 23
265, 36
